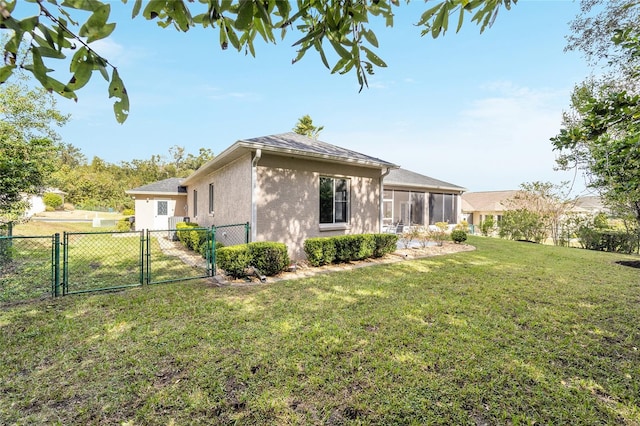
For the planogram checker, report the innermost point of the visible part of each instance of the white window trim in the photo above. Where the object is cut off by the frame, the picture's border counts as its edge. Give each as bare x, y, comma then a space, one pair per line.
337, 225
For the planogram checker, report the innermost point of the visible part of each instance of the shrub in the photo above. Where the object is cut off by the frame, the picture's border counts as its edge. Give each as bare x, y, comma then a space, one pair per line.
128, 212
608, 240
354, 247
269, 258
458, 236
123, 225
486, 227
234, 259
203, 248
52, 200
191, 238
320, 251
384, 244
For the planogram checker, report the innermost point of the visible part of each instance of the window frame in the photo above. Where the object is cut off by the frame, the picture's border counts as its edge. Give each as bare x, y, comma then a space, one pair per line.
211, 195
335, 202
195, 203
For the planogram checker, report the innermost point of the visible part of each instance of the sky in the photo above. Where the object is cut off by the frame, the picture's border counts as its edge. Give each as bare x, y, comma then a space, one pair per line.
476, 110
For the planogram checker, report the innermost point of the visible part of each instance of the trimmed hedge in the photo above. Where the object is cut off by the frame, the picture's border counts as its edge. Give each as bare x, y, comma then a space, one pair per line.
384, 244
234, 259
320, 251
269, 258
191, 238
345, 248
458, 236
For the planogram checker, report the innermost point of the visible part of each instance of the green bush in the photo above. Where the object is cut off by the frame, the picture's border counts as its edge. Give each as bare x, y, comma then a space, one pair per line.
384, 244
123, 225
320, 251
203, 248
128, 212
354, 247
608, 240
234, 259
189, 237
458, 236
52, 200
268, 257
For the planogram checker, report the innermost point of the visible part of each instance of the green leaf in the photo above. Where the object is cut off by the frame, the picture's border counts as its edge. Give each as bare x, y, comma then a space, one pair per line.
370, 36
83, 73
245, 16
5, 72
231, 33
320, 50
374, 58
96, 27
117, 90
136, 8
460, 19
29, 24
340, 50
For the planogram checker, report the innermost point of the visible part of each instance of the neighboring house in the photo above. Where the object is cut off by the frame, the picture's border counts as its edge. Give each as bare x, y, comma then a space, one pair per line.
590, 204
36, 202
476, 206
289, 187
412, 199
156, 202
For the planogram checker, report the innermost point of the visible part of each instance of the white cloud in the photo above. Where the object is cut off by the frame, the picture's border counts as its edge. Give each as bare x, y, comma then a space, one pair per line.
497, 141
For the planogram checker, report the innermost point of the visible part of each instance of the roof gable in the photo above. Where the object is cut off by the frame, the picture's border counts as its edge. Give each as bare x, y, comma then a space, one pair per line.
166, 186
488, 201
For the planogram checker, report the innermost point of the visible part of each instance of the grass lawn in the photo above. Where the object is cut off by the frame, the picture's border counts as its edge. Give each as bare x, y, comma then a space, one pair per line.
511, 333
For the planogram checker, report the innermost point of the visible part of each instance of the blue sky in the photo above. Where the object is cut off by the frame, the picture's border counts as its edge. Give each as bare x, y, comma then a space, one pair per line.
476, 110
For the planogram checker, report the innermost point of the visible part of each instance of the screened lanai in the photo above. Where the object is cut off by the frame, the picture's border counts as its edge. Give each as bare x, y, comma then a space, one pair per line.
412, 199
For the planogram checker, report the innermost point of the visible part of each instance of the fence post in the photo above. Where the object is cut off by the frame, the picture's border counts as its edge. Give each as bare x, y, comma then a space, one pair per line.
212, 258
246, 226
147, 256
56, 265
65, 263
142, 252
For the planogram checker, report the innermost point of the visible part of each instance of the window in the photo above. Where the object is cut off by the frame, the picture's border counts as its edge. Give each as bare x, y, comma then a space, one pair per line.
195, 203
443, 208
210, 198
163, 208
334, 200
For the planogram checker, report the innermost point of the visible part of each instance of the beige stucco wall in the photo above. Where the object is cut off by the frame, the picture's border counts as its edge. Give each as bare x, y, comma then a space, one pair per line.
288, 200
231, 198
145, 208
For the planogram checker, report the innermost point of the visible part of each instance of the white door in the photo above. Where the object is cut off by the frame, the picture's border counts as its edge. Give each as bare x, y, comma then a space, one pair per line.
161, 216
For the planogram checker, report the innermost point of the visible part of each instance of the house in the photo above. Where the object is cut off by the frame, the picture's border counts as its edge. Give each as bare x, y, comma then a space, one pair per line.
156, 202
411, 199
476, 206
289, 187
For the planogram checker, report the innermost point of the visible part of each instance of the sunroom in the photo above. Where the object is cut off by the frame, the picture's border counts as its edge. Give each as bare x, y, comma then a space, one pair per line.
411, 199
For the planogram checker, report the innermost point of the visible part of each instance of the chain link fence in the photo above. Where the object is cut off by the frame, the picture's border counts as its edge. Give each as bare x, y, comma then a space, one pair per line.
27, 268
102, 260
231, 235
79, 262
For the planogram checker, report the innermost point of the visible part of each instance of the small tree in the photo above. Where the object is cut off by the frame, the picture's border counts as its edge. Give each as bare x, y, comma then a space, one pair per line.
305, 127
486, 226
52, 200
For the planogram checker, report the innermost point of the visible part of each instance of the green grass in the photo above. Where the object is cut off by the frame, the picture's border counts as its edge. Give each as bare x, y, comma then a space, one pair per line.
511, 333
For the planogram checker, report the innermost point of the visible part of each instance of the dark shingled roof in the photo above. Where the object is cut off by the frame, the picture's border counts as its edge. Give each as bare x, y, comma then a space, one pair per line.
166, 186
304, 145
403, 177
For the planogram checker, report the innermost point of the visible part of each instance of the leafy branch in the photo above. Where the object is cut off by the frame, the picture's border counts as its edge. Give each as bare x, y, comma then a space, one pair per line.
339, 26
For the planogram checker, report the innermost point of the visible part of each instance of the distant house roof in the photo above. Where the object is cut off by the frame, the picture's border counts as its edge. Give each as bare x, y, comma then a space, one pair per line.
591, 203
403, 177
294, 145
171, 186
489, 201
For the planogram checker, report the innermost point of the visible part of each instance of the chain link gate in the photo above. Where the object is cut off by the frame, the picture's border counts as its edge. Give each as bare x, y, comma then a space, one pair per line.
94, 261
178, 255
81, 262
29, 267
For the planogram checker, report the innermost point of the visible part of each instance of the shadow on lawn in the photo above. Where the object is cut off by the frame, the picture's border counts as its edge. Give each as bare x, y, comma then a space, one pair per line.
629, 263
